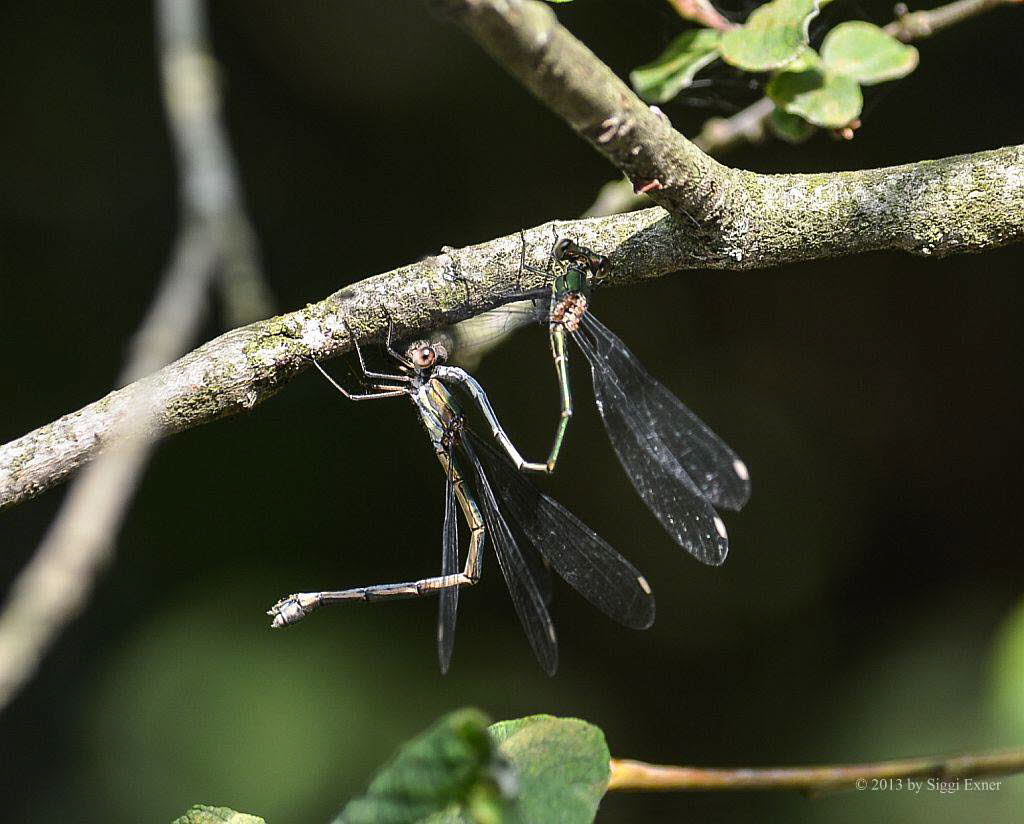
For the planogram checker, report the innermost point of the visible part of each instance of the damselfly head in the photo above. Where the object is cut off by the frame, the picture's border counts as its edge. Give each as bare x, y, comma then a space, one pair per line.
424, 355
596, 263
564, 248
581, 256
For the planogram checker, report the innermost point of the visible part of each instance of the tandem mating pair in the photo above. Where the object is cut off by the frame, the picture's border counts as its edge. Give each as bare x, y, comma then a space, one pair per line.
679, 467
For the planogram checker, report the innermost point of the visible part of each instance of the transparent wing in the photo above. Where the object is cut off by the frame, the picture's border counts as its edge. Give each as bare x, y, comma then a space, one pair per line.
660, 480
717, 471
540, 571
529, 604
577, 553
449, 596
471, 339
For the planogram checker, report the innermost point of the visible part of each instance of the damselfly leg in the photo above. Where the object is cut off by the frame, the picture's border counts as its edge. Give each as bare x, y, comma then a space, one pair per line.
392, 392
403, 378
297, 606
559, 351
389, 341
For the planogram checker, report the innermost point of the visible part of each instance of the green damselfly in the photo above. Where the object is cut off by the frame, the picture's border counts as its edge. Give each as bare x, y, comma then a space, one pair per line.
529, 530
679, 467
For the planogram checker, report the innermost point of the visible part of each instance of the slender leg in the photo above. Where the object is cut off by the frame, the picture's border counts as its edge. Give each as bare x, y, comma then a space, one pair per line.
362, 363
297, 606
525, 267
387, 345
392, 392
474, 520
560, 353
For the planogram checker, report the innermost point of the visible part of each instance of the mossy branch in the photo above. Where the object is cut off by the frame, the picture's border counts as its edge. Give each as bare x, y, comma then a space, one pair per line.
962, 204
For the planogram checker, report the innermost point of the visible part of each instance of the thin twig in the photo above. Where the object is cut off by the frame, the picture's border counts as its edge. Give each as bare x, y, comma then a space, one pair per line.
703, 12
917, 25
632, 776
720, 135
216, 236
55, 584
209, 186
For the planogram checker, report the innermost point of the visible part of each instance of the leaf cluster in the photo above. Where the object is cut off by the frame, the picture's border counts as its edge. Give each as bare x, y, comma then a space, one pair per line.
811, 89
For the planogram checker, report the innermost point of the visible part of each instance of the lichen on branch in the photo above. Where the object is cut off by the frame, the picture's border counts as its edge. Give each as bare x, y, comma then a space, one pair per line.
962, 204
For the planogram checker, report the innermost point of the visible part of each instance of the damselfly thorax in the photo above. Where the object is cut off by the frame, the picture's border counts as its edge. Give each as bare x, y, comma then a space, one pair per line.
439, 411
570, 290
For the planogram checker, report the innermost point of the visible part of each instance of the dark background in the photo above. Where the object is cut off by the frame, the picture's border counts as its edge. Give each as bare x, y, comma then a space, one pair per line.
871, 604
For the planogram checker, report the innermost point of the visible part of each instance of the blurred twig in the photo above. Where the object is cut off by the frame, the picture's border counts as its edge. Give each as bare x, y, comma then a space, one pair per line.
917, 25
629, 775
209, 187
56, 583
703, 12
216, 236
720, 135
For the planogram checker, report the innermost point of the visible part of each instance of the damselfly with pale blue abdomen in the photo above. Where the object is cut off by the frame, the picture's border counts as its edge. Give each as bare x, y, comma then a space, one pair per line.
529, 530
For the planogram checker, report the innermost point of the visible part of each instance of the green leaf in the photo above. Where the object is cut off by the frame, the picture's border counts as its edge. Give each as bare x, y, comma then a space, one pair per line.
806, 59
202, 814
1008, 674
453, 762
790, 127
452, 815
866, 53
562, 766
819, 96
673, 70
772, 36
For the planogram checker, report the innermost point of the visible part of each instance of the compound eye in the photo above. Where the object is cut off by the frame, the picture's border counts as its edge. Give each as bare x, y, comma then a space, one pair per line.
424, 357
562, 248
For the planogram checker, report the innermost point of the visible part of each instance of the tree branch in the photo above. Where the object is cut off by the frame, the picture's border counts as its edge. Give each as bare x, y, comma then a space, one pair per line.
720, 135
962, 204
629, 775
918, 25
244, 367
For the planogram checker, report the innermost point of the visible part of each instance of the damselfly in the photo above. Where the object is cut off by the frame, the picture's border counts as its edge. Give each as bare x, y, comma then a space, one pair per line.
679, 467
529, 530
